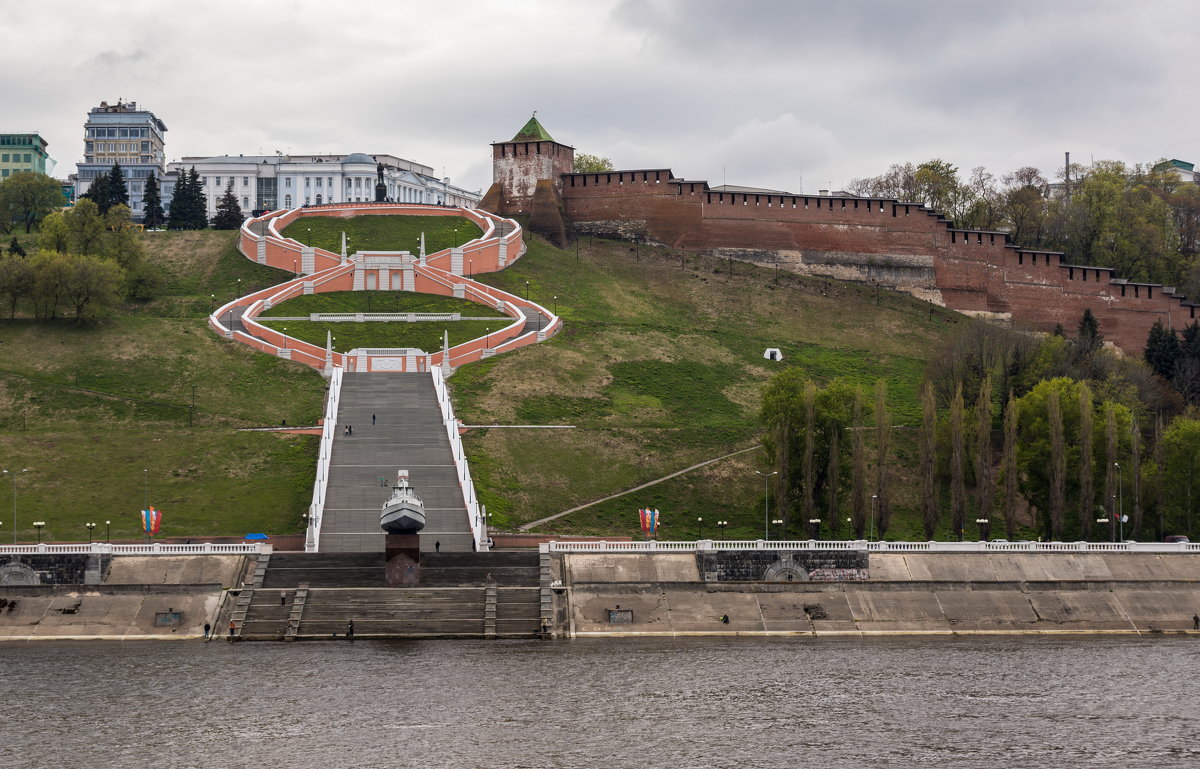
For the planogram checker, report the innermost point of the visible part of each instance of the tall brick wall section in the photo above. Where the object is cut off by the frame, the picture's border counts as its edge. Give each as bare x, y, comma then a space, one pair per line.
518, 166
903, 245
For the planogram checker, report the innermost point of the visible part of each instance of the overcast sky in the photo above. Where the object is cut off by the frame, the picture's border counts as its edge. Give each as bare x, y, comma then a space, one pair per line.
791, 95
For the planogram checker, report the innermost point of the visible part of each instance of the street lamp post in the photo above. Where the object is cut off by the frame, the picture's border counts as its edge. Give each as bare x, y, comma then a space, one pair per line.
285, 337
145, 489
721, 525
778, 522
816, 530
985, 528
14, 474
700, 523
526, 291
766, 502
487, 338
108, 531
1120, 498
212, 303
874, 513
90, 527
39, 525
556, 305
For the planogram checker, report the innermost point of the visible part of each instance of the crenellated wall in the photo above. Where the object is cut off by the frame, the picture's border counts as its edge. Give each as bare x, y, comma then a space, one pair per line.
880, 241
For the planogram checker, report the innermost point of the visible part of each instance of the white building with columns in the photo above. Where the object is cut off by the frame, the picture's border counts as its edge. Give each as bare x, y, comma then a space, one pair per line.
290, 181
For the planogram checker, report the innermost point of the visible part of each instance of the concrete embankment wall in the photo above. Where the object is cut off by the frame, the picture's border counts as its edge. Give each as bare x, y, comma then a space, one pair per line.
636, 595
110, 612
155, 596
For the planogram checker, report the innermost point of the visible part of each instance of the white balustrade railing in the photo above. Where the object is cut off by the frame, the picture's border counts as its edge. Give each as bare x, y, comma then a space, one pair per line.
462, 471
150, 548
706, 545
316, 509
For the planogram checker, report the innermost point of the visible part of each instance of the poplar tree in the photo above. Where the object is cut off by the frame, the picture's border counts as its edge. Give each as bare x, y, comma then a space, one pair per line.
1110, 455
929, 506
958, 492
1058, 464
983, 449
809, 472
883, 439
858, 476
1011, 482
1135, 437
1087, 471
833, 480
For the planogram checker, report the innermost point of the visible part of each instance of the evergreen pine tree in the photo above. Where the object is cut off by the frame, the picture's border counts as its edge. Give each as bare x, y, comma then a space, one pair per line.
177, 212
1090, 338
152, 204
229, 213
197, 214
1162, 350
99, 192
118, 192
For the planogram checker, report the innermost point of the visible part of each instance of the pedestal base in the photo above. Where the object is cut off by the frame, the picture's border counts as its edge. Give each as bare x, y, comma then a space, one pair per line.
403, 554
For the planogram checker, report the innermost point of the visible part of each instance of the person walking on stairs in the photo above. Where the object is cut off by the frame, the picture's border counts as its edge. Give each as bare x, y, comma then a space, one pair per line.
372, 419
350, 629
283, 598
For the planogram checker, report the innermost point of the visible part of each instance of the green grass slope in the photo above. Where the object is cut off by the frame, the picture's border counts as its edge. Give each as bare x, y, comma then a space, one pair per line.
383, 233
660, 366
100, 413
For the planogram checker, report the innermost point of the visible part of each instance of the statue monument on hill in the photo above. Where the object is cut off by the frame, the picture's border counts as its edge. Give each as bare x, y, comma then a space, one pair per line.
380, 187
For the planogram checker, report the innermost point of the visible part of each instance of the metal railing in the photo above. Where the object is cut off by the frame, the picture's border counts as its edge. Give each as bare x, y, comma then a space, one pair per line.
150, 548
462, 471
709, 545
316, 509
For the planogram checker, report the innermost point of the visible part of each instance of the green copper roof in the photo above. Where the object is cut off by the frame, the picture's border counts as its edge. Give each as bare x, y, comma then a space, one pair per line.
533, 132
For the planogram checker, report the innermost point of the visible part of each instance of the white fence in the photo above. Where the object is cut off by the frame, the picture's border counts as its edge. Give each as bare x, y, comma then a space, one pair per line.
478, 530
152, 548
708, 545
316, 510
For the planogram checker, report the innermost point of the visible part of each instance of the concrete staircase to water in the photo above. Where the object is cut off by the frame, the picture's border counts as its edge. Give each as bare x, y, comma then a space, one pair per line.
456, 598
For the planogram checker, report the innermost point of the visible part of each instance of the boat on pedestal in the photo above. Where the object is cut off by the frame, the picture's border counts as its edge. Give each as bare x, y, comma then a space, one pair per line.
403, 513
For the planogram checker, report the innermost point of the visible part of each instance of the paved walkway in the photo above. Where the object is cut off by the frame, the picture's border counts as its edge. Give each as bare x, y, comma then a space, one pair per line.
407, 434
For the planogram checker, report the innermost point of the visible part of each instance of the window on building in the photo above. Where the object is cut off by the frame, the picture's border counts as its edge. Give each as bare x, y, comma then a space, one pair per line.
307, 200
318, 198
287, 181
306, 182
145, 146
319, 180
287, 201
330, 181
245, 181
218, 181
4, 173
245, 202
4, 158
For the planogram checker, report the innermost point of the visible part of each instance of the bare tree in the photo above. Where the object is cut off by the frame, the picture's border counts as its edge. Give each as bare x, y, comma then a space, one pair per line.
1011, 486
858, 476
883, 440
929, 506
1058, 465
1087, 469
958, 491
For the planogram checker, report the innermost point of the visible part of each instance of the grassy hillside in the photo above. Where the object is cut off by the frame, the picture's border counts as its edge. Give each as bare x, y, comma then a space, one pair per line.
383, 233
100, 412
660, 366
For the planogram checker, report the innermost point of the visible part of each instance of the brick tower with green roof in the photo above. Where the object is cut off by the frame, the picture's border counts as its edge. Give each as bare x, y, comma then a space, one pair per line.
518, 165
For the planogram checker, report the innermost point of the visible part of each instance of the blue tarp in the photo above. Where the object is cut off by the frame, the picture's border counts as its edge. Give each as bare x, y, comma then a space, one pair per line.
256, 536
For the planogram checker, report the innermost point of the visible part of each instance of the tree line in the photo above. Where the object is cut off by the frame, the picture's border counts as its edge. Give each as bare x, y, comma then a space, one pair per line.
85, 263
1141, 220
1049, 436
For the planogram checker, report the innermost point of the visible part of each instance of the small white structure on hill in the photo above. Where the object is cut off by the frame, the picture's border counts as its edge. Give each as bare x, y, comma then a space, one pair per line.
773, 353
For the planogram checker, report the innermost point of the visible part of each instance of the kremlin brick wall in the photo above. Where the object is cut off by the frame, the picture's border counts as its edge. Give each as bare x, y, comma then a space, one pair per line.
899, 245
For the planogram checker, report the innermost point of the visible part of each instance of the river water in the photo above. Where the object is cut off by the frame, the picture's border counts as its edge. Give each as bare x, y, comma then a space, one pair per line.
1085, 701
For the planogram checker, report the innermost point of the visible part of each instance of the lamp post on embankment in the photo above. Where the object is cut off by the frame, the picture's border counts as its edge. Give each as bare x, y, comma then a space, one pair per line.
39, 525
721, 525
778, 522
90, 527
766, 502
816, 527
14, 474
1121, 498
985, 527
700, 523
